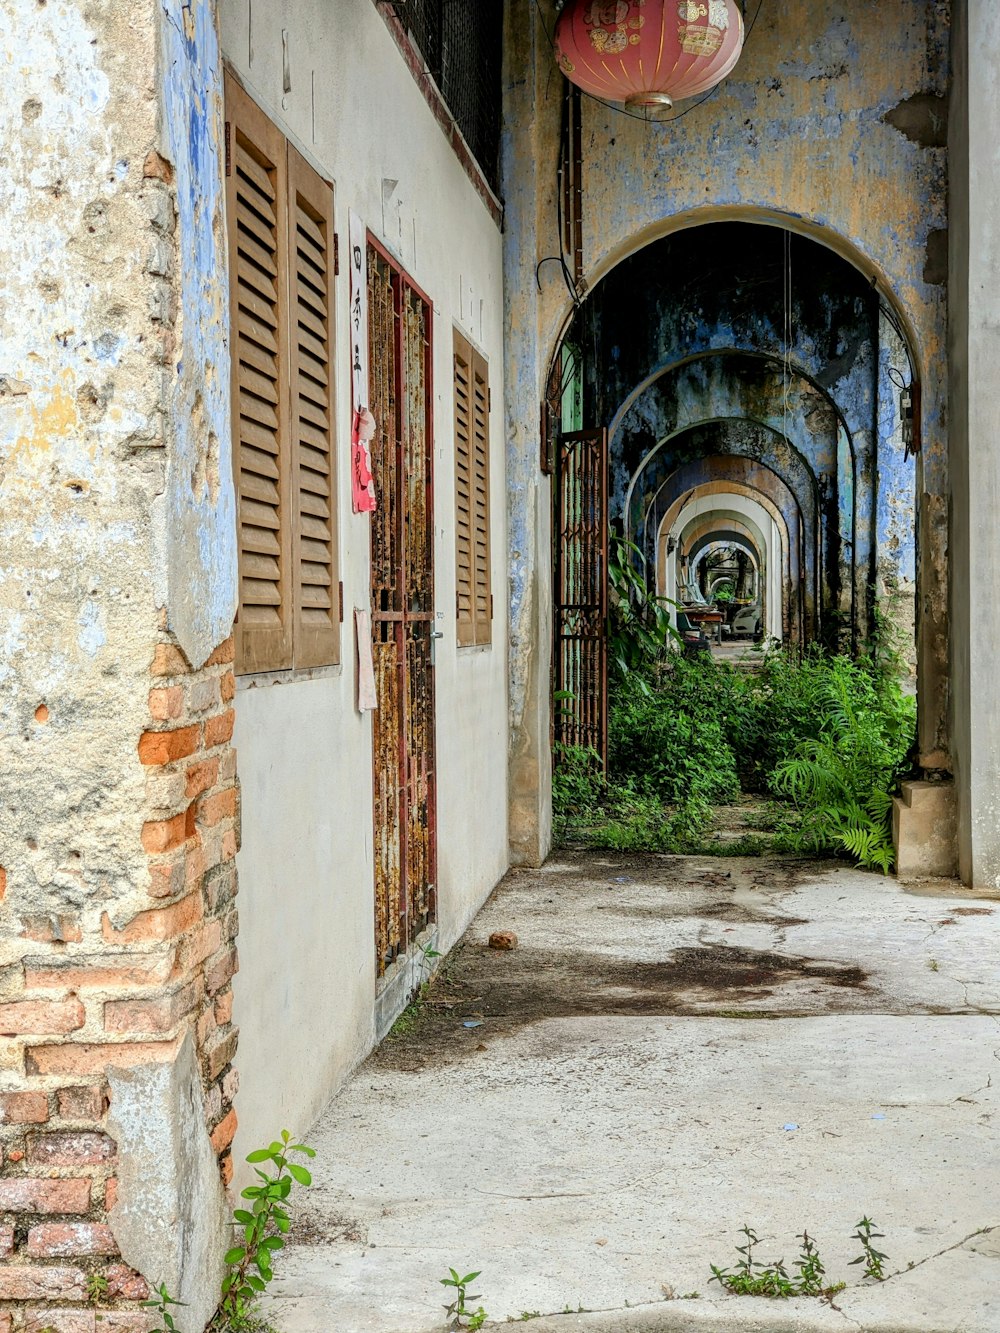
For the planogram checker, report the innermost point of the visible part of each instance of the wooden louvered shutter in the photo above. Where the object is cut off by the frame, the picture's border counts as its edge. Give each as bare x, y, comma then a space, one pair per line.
464, 542
258, 249
482, 594
314, 541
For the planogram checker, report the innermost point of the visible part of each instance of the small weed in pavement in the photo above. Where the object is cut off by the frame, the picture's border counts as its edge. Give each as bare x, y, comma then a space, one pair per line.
750, 1277
873, 1260
458, 1315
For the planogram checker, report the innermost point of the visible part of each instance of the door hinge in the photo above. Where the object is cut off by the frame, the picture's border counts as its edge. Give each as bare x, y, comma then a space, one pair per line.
491, 606
336, 255
489, 399
458, 603
229, 148
341, 595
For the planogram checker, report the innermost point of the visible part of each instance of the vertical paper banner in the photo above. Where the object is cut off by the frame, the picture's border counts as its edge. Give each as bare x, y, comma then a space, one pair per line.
362, 422
367, 696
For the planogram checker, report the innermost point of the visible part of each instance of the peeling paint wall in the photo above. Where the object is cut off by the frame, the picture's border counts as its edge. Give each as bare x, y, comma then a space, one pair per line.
197, 516
118, 823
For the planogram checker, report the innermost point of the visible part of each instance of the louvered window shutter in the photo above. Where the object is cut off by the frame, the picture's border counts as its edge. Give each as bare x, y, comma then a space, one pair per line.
464, 499
261, 463
481, 498
314, 540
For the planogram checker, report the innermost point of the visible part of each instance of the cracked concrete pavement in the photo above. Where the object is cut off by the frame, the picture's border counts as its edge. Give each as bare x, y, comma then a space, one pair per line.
676, 1046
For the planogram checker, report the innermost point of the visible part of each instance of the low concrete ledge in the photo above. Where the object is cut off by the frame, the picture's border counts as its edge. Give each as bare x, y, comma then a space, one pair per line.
925, 830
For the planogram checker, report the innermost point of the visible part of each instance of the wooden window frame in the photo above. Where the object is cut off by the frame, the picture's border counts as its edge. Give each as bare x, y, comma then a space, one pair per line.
309, 634
473, 556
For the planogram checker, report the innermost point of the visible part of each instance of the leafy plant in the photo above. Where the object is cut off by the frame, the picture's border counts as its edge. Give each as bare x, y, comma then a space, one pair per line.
751, 1278
459, 1316
263, 1227
97, 1288
639, 628
873, 1260
809, 1267
841, 780
161, 1304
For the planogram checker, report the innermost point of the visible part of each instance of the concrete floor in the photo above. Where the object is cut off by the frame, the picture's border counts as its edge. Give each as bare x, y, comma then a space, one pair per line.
676, 1047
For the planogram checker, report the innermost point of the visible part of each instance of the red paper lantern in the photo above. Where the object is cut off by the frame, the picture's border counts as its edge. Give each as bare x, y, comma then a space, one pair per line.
648, 53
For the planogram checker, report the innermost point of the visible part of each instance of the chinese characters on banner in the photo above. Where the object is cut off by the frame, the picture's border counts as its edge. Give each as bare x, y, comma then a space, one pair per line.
362, 422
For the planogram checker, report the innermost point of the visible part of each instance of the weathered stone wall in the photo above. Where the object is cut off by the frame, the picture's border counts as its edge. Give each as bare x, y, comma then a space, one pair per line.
117, 589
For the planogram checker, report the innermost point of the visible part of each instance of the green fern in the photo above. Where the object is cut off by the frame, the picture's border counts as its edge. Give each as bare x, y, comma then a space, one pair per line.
842, 779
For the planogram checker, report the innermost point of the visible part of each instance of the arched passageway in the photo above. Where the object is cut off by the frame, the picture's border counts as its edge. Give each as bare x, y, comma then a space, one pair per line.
759, 362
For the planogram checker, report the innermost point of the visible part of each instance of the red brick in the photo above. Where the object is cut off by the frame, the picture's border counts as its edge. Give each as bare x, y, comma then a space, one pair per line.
219, 729
201, 776
3, 881
194, 866
163, 747
225, 652
166, 703
24, 1108
73, 1147
30, 1283
51, 929
167, 878
221, 1054
65, 1240
126, 1283
97, 973
158, 1015
110, 1193
224, 1132
205, 1028
220, 886
224, 1008
215, 808
23, 1195
83, 1059
159, 923
231, 1085
227, 686
168, 661
6, 1242
162, 835
222, 971
203, 944
6, 1323
81, 1103
41, 1017
226, 1169
63, 1321
229, 844
203, 695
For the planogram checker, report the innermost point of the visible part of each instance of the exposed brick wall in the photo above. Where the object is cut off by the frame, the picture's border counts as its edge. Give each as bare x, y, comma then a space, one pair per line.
89, 993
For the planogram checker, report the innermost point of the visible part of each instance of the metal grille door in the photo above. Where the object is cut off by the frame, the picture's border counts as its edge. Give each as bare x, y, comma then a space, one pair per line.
581, 591
402, 557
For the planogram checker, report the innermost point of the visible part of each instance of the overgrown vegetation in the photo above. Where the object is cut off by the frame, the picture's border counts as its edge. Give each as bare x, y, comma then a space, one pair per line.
826, 736
750, 1277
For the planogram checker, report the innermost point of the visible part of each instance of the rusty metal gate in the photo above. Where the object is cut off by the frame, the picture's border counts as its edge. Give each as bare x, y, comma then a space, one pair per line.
581, 591
402, 564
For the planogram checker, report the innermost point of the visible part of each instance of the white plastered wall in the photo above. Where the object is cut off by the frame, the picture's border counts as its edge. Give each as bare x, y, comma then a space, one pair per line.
305, 994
